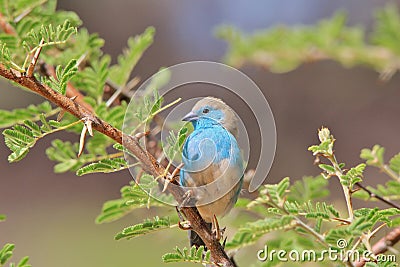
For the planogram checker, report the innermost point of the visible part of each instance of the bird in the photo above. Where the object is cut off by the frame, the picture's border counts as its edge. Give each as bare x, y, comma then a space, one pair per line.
212, 160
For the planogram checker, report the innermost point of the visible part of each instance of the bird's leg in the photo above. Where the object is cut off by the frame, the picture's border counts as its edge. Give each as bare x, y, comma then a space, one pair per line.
185, 225
216, 230
187, 197
171, 178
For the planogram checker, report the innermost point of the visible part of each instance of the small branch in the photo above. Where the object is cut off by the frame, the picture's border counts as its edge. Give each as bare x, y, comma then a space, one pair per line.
372, 195
309, 229
346, 190
149, 163
300, 223
383, 245
35, 58
386, 242
48, 69
121, 90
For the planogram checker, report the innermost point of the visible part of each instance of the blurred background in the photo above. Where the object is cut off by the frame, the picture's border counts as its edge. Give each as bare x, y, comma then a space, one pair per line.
51, 217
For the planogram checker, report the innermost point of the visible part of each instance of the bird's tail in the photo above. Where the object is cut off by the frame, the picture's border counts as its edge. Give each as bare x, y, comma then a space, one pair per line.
195, 239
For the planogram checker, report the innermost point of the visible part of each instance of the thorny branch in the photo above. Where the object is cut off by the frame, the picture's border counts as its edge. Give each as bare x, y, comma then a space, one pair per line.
149, 163
382, 199
383, 245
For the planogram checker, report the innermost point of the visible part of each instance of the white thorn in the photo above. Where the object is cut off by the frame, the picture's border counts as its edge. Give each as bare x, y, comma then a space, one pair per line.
82, 140
60, 115
88, 124
166, 183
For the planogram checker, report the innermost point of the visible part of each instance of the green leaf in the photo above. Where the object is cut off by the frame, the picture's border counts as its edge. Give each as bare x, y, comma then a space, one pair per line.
145, 110
5, 57
148, 226
390, 191
113, 115
6, 253
104, 166
272, 193
194, 255
18, 116
83, 46
385, 31
65, 153
394, 164
353, 176
374, 156
120, 73
175, 141
328, 168
92, 79
63, 75
309, 188
365, 220
252, 231
119, 147
24, 262
20, 138
312, 211
66, 74
328, 39
2, 217
50, 35
132, 197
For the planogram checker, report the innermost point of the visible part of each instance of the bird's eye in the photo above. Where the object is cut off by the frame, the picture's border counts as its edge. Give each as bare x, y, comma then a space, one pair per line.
206, 110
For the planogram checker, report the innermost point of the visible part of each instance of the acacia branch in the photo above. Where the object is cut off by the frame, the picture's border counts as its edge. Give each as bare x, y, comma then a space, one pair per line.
390, 239
149, 163
48, 70
383, 245
382, 199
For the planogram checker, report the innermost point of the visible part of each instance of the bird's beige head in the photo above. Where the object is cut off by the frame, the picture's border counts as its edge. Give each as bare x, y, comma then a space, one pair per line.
214, 109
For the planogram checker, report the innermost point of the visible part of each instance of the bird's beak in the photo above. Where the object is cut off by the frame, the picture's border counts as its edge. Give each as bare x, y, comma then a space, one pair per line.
191, 116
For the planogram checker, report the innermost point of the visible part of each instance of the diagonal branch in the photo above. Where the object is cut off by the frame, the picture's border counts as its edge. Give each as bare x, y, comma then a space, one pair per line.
47, 69
390, 239
372, 195
383, 245
149, 163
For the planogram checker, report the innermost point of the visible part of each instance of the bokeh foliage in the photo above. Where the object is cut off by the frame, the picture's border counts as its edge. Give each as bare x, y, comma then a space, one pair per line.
282, 48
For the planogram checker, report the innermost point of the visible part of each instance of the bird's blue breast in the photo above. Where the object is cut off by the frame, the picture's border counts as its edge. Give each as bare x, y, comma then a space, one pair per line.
207, 146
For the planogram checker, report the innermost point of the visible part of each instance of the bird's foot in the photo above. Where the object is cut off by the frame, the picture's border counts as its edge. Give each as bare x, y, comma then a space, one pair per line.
185, 225
172, 178
218, 232
182, 223
186, 199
